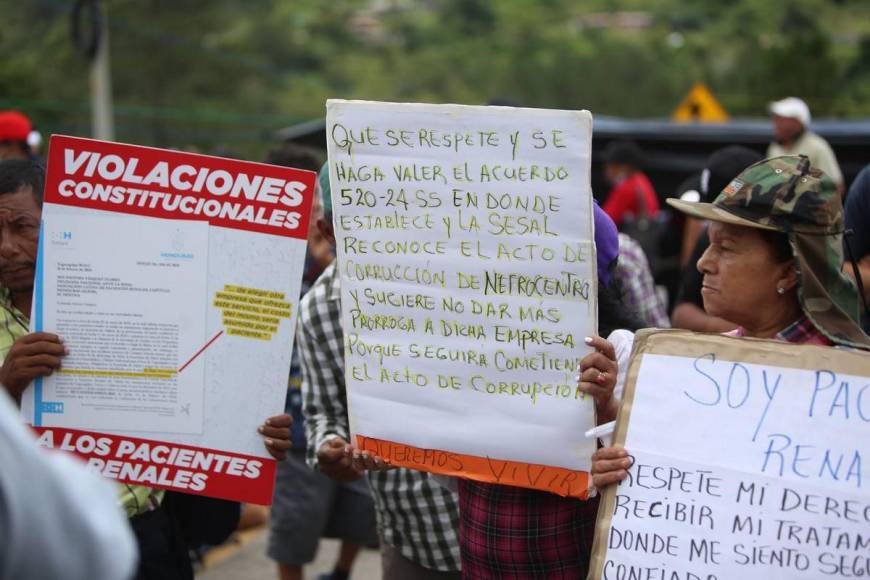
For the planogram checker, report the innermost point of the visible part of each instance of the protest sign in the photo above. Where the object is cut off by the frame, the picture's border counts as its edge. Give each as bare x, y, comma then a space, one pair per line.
468, 282
173, 279
750, 461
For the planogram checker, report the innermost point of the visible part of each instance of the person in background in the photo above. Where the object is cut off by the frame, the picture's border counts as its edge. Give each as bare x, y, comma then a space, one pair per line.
773, 267
689, 190
721, 167
417, 518
857, 218
631, 193
15, 129
34, 142
320, 252
792, 136
307, 505
163, 539
639, 293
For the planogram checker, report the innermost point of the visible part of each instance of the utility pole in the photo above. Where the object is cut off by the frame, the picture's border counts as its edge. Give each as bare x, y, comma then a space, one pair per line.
90, 34
102, 119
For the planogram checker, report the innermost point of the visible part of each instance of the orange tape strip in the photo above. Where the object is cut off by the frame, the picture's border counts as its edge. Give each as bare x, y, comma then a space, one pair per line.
558, 480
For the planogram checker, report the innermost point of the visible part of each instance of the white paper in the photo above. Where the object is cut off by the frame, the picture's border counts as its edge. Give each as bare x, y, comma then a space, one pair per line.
744, 471
248, 373
131, 317
464, 234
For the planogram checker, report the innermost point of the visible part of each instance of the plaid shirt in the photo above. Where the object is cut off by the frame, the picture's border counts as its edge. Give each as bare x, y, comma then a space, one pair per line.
511, 532
801, 331
639, 289
135, 499
416, 516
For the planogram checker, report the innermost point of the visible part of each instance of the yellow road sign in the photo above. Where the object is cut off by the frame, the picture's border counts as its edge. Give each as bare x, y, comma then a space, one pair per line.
700, 106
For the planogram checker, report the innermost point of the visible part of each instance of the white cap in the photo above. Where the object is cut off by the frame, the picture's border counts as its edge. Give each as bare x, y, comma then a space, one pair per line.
34, 139
691, 195
793, 108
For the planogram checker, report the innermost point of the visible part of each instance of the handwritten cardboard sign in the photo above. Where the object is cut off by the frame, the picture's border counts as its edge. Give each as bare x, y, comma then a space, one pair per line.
752, 460
467, 263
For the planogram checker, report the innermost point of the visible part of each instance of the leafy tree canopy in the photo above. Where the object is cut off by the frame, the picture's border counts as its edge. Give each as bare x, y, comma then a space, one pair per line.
202, 74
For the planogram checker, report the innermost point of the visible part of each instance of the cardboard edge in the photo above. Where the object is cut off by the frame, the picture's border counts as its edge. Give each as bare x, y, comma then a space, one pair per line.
408, 106
608, 496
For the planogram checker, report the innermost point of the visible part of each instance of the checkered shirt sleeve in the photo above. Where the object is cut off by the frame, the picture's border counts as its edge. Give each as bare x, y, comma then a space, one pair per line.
321, 355
639, 291
416, 516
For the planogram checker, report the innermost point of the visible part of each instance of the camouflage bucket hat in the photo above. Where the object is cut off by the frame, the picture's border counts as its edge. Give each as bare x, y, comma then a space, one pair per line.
786, 194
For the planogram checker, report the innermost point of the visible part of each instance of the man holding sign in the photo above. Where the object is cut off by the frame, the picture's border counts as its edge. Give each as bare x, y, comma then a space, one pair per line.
417, 518
774, 268
31, 356
467, 263
467, 257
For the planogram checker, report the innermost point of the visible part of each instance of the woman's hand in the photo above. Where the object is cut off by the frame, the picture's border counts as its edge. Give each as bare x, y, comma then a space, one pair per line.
597, 378
610, 465
276, 431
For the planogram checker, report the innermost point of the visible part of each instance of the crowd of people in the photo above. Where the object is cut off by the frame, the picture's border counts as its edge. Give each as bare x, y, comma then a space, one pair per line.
772, 248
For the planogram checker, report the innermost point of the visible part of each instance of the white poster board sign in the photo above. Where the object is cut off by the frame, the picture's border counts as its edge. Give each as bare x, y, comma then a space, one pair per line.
468, 280
752, 460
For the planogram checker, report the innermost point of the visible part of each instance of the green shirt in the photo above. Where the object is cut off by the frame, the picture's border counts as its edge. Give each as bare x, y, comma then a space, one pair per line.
136, 499
13, 324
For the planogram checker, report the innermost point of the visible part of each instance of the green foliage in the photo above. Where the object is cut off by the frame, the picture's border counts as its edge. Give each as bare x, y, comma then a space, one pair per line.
199, 74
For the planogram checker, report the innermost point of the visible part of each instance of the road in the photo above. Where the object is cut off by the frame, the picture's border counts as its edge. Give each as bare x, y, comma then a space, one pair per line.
244, 556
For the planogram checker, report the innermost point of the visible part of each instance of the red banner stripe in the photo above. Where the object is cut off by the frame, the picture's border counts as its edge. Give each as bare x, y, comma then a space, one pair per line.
163, 465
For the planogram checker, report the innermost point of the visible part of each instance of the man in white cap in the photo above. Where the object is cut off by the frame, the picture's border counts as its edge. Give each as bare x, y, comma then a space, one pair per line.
792, 136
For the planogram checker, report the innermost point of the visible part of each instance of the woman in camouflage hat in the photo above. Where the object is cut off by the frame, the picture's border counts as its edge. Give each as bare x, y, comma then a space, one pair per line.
788, 218
773, 266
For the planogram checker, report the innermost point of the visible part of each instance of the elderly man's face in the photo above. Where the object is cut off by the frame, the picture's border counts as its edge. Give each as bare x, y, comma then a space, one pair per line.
785, 128
19, 239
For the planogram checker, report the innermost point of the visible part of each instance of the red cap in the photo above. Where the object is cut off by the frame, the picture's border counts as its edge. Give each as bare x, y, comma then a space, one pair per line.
14, 126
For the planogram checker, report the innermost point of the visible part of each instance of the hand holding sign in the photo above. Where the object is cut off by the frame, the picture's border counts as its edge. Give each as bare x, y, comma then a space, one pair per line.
366, 461
598, 372
277, 432
334, 461
37, 354
609, 465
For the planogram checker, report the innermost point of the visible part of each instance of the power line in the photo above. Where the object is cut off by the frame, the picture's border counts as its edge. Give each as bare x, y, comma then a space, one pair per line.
164, 37
198, 114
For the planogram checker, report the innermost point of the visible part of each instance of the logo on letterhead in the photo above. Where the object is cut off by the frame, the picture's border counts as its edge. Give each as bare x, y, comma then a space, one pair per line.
61, 238
177, 243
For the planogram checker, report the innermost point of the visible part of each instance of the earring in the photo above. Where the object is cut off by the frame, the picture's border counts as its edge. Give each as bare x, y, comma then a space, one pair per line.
780, 291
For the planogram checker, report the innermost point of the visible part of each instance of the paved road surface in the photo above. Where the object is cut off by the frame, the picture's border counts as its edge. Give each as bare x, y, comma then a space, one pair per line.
246, 559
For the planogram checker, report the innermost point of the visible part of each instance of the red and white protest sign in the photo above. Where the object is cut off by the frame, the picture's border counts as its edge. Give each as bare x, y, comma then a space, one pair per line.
174, 185
174, 280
